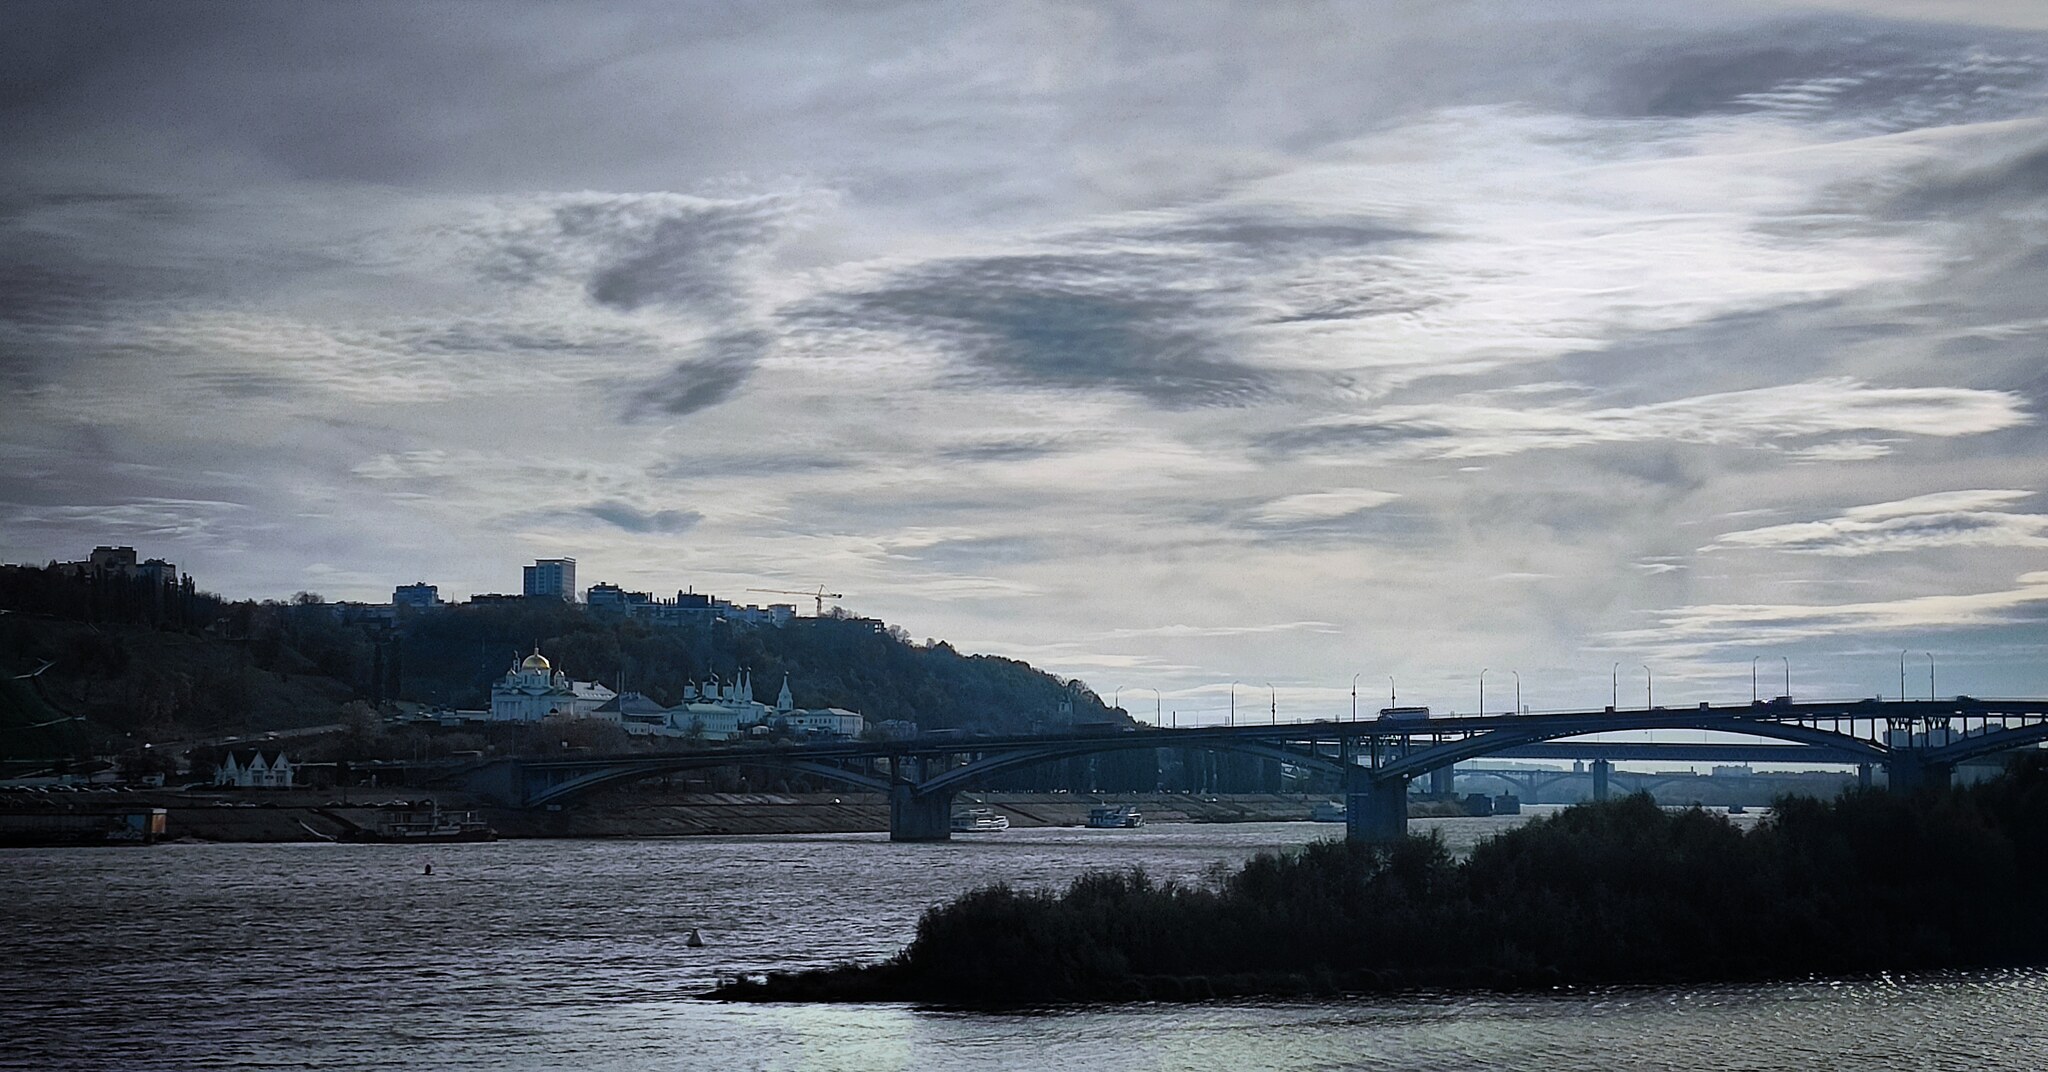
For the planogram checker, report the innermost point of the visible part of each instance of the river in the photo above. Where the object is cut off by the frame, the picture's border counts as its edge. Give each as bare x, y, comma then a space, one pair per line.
521, 955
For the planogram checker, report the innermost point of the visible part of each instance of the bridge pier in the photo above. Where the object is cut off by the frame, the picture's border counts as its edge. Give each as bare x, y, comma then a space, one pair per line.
1443, 782
1862, 775
1909, 773
1601, 770
1375, 809
917, 816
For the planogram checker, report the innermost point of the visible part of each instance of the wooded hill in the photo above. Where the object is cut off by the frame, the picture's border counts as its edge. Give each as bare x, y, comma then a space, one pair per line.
129, 667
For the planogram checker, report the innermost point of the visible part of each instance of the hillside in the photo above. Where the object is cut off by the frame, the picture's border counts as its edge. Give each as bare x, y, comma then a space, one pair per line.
276, 666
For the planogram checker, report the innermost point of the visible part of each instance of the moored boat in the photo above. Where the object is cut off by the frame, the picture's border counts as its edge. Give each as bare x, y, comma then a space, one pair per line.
1115, 817
979, 821
424, 825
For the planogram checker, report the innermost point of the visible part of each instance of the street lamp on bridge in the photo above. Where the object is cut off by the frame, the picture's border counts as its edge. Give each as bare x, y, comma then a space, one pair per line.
1752, 677
1273, 719
1233, 703
1482, 691
1158, 702
1354, 696
1930, 675
1614, 686
1788, 676
1649, 691
1518, 690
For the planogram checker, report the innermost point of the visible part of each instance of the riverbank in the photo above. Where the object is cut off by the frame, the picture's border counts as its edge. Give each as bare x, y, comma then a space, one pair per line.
1605, 894
325, 814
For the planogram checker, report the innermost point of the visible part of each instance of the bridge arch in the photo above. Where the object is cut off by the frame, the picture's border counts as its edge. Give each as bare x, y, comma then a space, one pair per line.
1449, 752
1984, 744
958, 778
588, 781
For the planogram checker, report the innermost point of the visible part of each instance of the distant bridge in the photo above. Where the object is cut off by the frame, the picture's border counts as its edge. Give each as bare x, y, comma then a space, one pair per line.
1917, 742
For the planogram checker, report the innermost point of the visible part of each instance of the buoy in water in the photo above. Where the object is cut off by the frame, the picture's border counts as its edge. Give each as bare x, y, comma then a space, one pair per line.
427, 869
694, 941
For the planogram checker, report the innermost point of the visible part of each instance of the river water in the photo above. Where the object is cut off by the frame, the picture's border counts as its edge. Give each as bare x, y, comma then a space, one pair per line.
521, 955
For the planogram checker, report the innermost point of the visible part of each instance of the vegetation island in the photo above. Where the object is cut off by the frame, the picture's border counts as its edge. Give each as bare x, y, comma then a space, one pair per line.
1623, 892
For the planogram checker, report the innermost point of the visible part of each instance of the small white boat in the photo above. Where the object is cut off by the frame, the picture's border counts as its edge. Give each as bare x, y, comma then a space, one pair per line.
1327, 811
979, 821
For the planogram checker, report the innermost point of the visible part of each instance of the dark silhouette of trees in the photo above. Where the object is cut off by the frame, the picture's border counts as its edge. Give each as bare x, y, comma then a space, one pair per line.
1620, 892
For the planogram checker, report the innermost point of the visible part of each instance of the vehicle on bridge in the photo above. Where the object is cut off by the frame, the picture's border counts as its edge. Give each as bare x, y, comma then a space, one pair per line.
1403, 714
979, 821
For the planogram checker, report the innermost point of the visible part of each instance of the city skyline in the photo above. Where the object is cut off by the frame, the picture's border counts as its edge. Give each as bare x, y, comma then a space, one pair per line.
1583, 343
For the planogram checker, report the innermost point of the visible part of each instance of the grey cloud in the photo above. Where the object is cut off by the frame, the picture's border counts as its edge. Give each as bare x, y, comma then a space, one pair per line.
1001, 450
633, 519
1883, 76
2013, 179
722, 365
1269, 232
632, 251
685, 258
1062, 321
1341, 436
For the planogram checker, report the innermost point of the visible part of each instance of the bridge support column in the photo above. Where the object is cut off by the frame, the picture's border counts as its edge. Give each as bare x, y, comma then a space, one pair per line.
502, 783
1601, 769
1443, 782
1375, 809
1862, 775
1908, 773
915, 816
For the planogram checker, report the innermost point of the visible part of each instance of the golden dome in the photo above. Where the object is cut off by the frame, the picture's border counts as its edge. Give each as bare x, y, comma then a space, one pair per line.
536, 661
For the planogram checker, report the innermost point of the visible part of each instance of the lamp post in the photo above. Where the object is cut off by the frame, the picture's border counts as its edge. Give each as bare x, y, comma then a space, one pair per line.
1390, 691
1752, 677
1354, 697
1158, 702
1273, 718
1518, 690
1614, 687
1482, 692
1902, 675
1649, 691
1788, 676
1233, 703
1116, 698
1930, 677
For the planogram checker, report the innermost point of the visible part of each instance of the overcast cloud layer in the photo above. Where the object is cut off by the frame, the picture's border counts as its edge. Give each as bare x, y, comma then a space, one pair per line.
1163, 345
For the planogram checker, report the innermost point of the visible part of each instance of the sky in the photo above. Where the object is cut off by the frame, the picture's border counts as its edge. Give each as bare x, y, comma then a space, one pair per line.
1164, 345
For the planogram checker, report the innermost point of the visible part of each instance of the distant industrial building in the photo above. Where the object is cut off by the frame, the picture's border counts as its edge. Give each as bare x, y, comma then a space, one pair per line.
689, 607
418, 595
121, 562
552, 578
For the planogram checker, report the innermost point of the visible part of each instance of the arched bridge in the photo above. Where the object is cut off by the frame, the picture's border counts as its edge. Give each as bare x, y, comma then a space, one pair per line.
1918, 742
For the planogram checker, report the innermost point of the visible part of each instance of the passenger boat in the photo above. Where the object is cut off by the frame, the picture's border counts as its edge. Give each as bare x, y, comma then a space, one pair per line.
979, 821
1327, 811
424, 825
1115, 817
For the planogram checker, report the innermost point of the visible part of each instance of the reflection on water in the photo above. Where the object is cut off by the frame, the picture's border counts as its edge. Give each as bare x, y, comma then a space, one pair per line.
541, 955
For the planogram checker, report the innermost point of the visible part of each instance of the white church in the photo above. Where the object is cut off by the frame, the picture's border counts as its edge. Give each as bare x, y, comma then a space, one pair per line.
533, 690
716, 710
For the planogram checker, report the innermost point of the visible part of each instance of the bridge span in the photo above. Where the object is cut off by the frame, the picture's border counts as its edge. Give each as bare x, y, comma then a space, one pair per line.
1917, 742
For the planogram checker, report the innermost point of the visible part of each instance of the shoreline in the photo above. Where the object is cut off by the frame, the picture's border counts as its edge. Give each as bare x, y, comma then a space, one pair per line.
313, 816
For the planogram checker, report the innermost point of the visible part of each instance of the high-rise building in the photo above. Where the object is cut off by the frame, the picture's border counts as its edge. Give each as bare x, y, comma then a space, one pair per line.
552, 578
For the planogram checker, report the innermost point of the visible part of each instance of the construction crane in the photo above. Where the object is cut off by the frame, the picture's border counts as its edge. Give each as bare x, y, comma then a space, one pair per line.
820, 595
